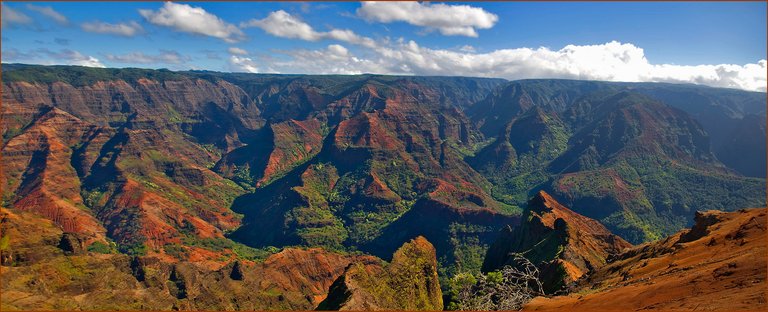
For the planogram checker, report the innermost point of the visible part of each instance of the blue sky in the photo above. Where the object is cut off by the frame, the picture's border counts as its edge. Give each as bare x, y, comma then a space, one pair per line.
719, 44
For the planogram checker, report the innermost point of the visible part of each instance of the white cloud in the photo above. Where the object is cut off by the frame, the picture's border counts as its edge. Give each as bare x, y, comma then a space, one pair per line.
11, 16
165, 57
48, 57
282, 24
450, 20
194, 20
242, 64
612, 61
467, 48
129, 29
50, 13
70, 57
238, 51
334, 59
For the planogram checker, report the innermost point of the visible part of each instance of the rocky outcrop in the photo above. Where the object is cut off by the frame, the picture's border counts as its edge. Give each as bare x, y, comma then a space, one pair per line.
719, 264
71, 244
409, 282
563, 244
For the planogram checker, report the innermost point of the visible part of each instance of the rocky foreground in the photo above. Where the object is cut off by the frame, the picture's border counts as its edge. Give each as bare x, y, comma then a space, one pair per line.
719, 264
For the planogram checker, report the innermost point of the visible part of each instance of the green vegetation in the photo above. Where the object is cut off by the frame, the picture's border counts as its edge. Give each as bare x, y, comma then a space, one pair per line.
221, 244
5, 242
133, 248
649, 198
82, 76
242, 176
408, 283
103, 248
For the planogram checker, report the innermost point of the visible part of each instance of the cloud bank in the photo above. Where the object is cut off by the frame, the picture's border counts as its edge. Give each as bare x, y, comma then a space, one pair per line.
612, 61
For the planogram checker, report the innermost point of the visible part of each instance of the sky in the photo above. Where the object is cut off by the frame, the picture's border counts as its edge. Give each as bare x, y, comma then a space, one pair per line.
720, 44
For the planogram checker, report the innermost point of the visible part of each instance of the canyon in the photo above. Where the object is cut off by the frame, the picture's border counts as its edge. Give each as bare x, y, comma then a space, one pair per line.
209, 190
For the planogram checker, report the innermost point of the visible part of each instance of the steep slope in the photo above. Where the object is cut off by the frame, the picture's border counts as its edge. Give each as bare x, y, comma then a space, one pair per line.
644, 154
333, 160
721, 112
611, 153
37, 274
563, 244
38, 175
125, 162
409, 282
719, 264
514, 161
735, 121
376, 171
292, 143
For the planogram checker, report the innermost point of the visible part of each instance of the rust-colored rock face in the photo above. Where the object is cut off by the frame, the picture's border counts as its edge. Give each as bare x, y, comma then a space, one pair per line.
301, 270
718, 265
111, 160
37, 170
294, 142
409, 282
563, 244
70, 278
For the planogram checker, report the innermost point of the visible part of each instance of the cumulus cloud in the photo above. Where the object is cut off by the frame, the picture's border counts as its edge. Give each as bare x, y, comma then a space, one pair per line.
49, 12
194, 20
450, 20
282, 24
129, 29
242, 64
11, 17
164, 57
612, 61
334, 59
238, 51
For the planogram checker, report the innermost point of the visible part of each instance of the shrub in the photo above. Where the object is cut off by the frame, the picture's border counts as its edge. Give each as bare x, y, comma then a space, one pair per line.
507, 289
